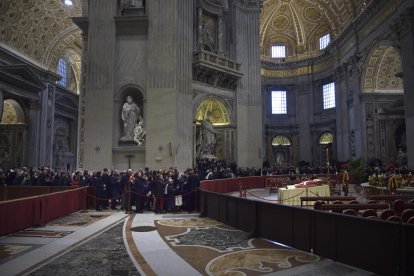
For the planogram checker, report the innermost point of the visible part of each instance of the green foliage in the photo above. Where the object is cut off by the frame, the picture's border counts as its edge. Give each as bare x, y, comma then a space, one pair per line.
358, 171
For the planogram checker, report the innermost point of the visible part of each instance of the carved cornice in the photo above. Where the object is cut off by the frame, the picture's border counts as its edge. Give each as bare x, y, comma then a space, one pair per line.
217, 7
253, 5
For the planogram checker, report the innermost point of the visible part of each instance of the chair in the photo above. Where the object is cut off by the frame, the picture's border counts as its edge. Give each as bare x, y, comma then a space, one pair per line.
372, 217
394, 218
369, 213
337, 202
407, 214
412, 201
410, 220
353, 202
317, 205
351, 212
372, 202
387, 213
398, 206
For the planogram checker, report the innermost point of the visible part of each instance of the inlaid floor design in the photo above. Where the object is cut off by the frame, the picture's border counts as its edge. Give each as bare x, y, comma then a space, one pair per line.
216, 249
80, 218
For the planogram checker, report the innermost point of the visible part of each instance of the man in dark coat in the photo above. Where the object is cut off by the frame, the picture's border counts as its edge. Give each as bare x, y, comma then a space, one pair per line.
193, 183
100, 190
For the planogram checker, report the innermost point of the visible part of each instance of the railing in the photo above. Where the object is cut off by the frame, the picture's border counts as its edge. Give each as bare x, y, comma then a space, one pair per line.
382, 247
216, 60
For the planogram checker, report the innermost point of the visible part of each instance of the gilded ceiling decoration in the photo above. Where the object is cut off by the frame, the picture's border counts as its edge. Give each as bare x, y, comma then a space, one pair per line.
380, 68
42, 30
12, 113
300, 23
214, 110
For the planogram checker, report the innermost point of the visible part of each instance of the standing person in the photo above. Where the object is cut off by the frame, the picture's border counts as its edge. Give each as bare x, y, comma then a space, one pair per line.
159, 194
193, 183
115, 188
169, 193
140, 195
100, 190
106, 180
126, 185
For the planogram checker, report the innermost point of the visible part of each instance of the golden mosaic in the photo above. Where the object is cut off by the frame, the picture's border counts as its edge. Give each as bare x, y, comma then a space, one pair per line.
300, 23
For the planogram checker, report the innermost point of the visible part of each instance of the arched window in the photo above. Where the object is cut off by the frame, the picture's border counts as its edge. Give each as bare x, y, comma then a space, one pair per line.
62, 70
280, 141
326, 138
214, 110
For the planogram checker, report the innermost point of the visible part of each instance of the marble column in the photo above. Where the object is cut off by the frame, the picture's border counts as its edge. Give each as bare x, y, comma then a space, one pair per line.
200, 29
342, 120
249, 103
304, 116
33, 134
356, 111
1, 103
406, 35
97, 100
185, 115
162, 145
46, 122
220, 35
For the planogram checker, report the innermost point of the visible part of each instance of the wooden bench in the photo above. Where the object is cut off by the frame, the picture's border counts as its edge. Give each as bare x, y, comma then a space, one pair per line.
325, 198
390, 197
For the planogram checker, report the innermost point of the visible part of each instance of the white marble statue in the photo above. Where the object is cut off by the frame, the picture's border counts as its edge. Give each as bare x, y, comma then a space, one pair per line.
207, 139
131, 114
139, 133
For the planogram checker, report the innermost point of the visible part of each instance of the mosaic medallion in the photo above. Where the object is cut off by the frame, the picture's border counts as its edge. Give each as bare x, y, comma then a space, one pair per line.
221, 240
257, 261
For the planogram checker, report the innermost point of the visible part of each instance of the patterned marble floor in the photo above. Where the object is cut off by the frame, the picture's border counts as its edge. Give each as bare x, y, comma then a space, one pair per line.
102, 255
157, 244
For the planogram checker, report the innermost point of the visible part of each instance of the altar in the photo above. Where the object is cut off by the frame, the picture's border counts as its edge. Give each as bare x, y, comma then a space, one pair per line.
292, 194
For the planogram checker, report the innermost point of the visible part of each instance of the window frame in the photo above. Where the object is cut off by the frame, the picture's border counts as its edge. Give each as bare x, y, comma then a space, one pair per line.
322, 41
62, 71
328, 96
282, 108
275, 46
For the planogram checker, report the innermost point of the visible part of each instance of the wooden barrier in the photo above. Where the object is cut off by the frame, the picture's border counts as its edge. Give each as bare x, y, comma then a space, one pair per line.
22, 213
379, 246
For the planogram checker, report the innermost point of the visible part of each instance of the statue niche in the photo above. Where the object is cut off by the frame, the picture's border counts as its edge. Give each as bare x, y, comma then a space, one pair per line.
207, 139
132, 122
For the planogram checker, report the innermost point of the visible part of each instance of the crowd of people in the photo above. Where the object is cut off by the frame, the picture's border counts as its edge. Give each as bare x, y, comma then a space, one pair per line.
161, 191
165, 190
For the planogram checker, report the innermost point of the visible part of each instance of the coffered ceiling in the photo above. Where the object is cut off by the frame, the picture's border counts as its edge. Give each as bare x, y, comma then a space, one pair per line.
300, 23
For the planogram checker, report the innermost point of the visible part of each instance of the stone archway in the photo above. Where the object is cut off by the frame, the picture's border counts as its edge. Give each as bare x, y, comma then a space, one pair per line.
282, 150
216, 112
12, 139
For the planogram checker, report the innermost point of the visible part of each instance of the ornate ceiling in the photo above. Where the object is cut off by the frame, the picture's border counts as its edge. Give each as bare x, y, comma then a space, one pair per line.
300, 23
42, 30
